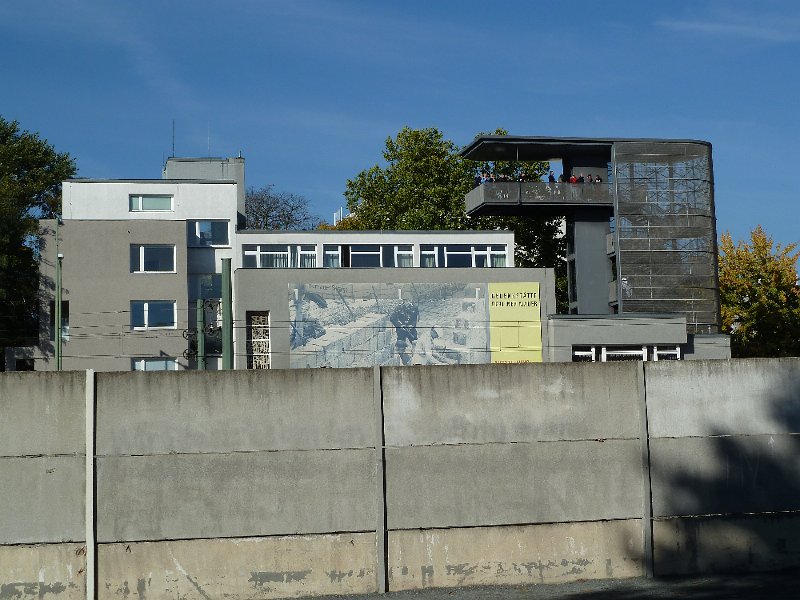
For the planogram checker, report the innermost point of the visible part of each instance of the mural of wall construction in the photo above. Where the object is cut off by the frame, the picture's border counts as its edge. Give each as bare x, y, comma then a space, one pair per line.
366, 324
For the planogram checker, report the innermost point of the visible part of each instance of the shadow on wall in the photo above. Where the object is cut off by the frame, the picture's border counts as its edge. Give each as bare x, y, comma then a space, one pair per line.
725, 466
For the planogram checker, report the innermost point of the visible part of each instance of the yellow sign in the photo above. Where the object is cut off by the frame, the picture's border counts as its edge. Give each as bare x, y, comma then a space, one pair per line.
515, 322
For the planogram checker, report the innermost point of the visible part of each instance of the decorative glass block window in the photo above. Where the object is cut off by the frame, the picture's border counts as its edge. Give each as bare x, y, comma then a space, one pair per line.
147, 258
258, 350
331, 256
365, 255
153, 314
403, 256
155, 364
428, 256
150, 203
208, 233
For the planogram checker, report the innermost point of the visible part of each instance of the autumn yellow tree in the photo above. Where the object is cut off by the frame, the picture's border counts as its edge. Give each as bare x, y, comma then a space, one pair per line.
759, 295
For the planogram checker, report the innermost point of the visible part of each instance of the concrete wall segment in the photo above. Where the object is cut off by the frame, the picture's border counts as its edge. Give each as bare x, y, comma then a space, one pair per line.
53, 571
715, 397
42, 413
179, 496
42, 499
505, 484
241, 411
239, 568
721, 475
514, 555
510, 403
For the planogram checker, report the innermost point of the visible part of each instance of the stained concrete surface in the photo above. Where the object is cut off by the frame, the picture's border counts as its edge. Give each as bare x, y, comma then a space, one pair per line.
783, 584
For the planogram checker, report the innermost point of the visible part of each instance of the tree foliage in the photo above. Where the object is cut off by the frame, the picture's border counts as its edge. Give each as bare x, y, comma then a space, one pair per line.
422, 186
268, 209
759, 296
31, 172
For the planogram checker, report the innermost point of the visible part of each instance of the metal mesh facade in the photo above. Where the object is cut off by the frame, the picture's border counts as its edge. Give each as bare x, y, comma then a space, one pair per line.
665, 231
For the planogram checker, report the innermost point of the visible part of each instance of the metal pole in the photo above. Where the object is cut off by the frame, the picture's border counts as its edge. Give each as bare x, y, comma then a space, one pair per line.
227, 315
58, 312
201, 335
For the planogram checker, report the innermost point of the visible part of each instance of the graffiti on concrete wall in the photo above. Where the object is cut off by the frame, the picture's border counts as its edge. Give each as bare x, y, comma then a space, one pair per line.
366, 324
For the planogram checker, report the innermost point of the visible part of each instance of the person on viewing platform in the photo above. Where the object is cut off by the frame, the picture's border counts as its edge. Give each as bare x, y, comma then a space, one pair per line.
580, 178
589, 178
573, 179
551, 178
598, 180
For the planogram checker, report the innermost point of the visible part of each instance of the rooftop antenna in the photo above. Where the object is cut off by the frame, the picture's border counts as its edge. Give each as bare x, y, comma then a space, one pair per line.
173, 138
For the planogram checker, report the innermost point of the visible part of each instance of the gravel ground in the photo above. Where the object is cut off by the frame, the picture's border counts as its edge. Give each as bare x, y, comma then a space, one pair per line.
783, 584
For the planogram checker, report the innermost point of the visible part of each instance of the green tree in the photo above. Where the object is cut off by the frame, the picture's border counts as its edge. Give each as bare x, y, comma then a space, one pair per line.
268, 209
422, 186
759, 296
31, 172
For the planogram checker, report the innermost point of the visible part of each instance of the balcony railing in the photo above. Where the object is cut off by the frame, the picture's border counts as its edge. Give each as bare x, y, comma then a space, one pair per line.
509, 193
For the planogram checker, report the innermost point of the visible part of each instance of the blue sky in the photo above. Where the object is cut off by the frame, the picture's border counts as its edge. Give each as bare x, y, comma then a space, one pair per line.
308, 91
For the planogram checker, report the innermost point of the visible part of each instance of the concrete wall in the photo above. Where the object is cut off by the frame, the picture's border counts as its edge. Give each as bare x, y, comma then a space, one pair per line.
725, 464
42, 527
302, 482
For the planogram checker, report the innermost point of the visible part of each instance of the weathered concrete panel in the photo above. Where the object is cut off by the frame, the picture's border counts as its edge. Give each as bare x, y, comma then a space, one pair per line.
219, 411
230, 495
53, 571
279, 567
510, 403
689, 546
42, 413
503, 484
718, 397
549, 553
41, 499
728, 474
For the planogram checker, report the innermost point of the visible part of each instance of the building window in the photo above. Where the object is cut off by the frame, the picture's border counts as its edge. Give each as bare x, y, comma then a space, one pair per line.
208, 233
258, 340
64, 320
458, 255
306, 256
489, 256
331, 256
279, 256
155, 364
149, 203
428, 256
153, 314
365, 255
205, 286
403, 256
152, 259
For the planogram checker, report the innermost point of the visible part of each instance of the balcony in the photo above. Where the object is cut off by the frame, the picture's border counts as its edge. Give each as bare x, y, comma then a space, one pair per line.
524, 198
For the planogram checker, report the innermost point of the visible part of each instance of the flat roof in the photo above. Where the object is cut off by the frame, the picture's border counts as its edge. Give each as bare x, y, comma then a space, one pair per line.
375, 231
534, 148
170, 181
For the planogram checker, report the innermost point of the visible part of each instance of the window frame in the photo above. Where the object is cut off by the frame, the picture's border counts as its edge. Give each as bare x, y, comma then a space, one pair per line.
146, 313
406, 251
198, 242
357, 250
428, 250
139, 198
141, 266
144, 360
327, 250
